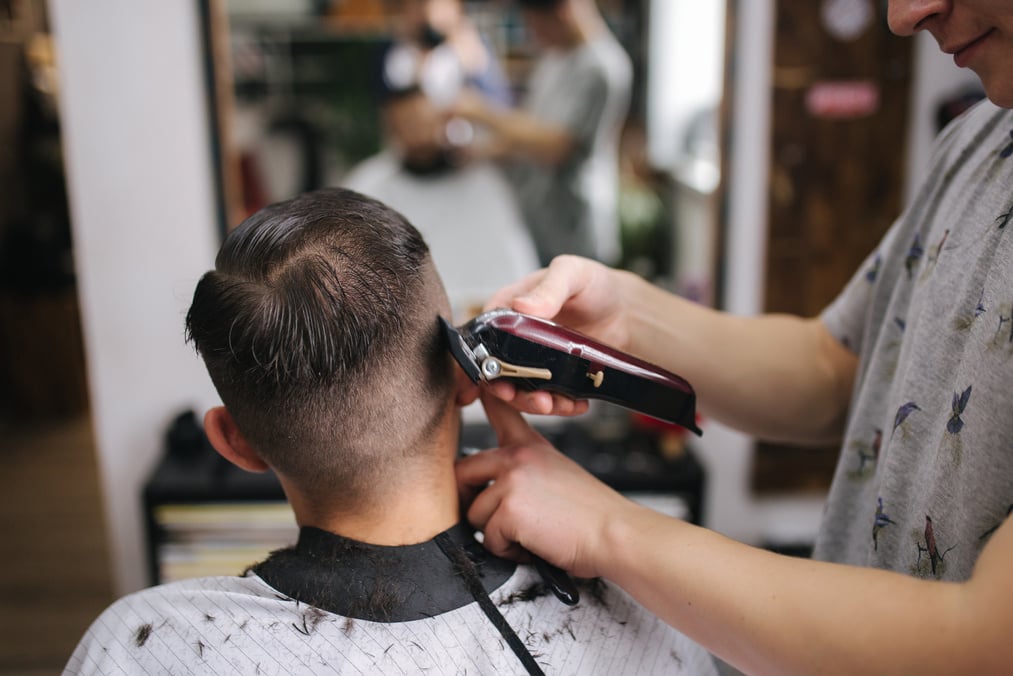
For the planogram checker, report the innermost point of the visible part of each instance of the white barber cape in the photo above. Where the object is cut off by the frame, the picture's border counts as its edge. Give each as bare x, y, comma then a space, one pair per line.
382, 610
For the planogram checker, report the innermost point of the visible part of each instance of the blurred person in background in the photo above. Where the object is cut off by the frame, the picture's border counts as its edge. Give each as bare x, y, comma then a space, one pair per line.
439, 49
560, 147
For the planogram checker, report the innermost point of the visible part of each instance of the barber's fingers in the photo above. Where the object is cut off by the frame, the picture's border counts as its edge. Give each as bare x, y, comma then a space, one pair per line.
565, 277
543, 293
538, 402
549, 403
475, 472
493, 510
502, 542
506, 295
510, 426
487, 501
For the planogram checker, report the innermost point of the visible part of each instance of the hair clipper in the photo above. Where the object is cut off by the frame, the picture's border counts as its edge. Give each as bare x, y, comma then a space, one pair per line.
537, 354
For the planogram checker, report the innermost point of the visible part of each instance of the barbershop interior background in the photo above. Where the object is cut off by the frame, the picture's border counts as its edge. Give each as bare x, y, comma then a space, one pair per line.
759, 165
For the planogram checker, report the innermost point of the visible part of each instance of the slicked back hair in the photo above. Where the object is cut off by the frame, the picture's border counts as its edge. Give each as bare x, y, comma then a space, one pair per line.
318, 327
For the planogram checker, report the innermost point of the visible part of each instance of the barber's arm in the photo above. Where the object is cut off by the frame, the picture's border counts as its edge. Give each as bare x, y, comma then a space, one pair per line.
773, 376
762, 612
516, 133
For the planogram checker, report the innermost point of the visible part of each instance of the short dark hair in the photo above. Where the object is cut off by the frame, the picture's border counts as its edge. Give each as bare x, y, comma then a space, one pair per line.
319, 329
539, 5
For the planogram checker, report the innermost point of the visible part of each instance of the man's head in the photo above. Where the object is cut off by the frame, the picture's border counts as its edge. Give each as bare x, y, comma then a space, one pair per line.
978, 33
552, 23
319, 329
429, 22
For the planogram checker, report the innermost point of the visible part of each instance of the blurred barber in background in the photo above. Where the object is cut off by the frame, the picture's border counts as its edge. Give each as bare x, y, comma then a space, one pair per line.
561, 146
440, 50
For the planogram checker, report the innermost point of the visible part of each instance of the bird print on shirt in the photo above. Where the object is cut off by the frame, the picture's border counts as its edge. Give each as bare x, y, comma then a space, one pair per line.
868, 455
902, 415
951, 443
1008, 150
956, 423
965, 319
1004, 219
934, 558
933, 258
1003, 336
881, 521
873, 272
914, 255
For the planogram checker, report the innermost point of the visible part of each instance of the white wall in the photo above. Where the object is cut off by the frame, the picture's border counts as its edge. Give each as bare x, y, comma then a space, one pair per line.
685, 72
139, 180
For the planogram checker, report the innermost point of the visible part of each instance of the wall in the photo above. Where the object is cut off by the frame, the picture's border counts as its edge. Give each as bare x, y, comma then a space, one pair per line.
139, 181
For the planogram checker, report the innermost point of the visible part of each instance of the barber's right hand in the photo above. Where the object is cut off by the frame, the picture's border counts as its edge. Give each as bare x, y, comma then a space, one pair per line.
578, 293
526, 496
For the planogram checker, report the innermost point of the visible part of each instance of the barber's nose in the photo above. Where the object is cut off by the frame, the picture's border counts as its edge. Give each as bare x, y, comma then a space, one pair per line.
907, 17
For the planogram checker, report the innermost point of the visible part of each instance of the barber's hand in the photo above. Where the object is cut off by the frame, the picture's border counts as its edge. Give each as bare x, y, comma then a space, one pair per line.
539, 500
578, 293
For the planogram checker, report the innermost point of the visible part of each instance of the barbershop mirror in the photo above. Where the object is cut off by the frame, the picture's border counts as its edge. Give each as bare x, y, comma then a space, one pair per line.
294, 104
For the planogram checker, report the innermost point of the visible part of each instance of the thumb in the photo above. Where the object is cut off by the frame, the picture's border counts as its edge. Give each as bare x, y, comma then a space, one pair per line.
565, 277
510, 426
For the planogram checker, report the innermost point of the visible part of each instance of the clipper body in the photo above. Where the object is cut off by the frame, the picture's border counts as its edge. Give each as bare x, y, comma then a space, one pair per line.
538, 354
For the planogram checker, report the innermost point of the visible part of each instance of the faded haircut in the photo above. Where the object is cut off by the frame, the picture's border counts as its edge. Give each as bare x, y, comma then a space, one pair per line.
318, 327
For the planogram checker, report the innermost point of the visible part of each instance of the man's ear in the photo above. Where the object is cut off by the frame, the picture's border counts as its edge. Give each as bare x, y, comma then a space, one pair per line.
230, 442
465, 390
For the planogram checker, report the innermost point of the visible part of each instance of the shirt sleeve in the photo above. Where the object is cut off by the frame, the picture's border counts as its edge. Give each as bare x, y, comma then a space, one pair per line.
847, 317
579, 104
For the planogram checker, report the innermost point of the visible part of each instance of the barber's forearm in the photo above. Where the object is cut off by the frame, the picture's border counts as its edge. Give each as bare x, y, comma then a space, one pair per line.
774, 376
766, 613
522, 135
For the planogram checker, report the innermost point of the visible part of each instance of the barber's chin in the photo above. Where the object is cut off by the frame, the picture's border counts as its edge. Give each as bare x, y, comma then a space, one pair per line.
998, 85
1002, 97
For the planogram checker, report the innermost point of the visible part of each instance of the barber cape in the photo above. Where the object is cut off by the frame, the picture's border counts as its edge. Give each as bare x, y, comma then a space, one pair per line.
331, 605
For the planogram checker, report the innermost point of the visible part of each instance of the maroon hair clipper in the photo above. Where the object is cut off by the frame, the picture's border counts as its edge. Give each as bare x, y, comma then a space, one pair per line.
537, 354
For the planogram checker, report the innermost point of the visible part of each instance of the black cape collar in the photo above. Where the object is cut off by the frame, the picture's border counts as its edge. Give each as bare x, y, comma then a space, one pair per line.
383, 584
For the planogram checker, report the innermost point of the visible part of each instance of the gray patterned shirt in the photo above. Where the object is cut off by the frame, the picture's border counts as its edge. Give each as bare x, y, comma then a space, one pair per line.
925, 474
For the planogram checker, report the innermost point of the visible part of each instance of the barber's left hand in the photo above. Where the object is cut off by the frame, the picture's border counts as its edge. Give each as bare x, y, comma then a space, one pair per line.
539, 500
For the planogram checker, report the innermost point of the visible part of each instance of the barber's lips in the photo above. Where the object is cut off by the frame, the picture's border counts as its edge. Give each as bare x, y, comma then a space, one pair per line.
964, 54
